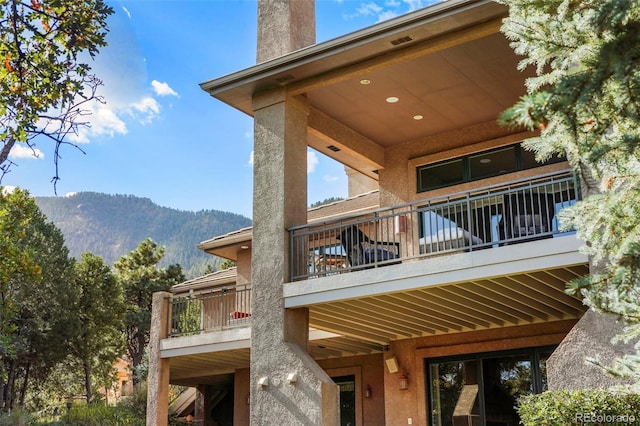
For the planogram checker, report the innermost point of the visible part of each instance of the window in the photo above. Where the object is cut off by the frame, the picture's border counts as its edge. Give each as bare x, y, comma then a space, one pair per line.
483, 389
347, 385
476, 166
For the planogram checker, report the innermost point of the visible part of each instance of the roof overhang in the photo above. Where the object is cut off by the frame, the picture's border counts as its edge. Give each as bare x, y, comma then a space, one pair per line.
228, 245
237, 89
448, 64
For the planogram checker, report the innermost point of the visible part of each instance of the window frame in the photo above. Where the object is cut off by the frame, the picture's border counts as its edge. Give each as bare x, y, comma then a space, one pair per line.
519, 152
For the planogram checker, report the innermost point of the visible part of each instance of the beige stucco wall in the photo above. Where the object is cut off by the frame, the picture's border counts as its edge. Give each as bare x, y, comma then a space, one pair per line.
398, 182
243, 267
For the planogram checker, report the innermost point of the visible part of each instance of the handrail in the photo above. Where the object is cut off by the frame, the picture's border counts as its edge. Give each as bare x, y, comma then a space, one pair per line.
481, 218
214, 310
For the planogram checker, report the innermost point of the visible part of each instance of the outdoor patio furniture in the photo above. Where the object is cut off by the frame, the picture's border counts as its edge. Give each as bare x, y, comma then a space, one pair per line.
362, 250
526, 217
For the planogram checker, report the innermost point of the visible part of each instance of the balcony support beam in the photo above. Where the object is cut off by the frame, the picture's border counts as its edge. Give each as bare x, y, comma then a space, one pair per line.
280, 336
158, 379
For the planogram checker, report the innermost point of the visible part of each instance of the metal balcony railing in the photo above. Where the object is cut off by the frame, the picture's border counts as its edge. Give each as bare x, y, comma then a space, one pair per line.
478, 219
214, 310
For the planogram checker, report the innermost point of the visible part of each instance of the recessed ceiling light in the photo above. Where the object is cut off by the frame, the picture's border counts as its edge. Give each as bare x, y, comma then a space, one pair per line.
485, 160
365, 81
244, 247
392, 99
418, 117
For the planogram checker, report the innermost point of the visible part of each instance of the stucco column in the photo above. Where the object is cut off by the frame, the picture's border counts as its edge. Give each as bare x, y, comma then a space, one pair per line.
158, 378
294, 389
284, 26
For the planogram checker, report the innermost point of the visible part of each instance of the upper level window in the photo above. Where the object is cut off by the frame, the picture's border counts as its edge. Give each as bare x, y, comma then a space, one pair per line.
476, 166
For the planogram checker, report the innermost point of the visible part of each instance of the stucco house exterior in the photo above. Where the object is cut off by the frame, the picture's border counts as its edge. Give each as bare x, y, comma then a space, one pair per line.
434, 294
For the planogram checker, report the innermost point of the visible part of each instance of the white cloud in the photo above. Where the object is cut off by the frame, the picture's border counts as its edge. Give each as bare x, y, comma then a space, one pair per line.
328, 178
69, 194
386, 15
389, 9
23, 151
163, 89
417, 4
312, 161
368, 9
148, 107
128, 96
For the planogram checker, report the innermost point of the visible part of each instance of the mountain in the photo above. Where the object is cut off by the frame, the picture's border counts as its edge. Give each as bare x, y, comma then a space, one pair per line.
113, 225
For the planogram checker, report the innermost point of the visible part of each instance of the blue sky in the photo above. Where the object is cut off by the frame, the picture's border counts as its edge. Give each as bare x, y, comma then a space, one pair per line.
159, 135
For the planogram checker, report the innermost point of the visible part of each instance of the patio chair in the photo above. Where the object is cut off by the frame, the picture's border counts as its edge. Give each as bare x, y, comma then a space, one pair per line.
362, 250
527, 217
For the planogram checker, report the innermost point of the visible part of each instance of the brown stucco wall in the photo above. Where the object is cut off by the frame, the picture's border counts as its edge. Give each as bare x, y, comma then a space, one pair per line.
402, 405
369, 372
241, 397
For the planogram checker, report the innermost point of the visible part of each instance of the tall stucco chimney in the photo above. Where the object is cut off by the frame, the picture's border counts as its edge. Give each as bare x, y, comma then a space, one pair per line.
284, 26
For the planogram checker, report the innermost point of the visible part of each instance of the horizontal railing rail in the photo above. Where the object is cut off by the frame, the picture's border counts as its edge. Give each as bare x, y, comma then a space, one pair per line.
477, 219
214, 310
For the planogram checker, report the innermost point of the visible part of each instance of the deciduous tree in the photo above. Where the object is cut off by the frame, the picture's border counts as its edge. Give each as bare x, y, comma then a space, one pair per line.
45, 80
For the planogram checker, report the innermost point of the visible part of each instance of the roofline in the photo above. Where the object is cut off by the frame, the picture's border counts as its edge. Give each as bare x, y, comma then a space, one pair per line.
234, 237
314, 53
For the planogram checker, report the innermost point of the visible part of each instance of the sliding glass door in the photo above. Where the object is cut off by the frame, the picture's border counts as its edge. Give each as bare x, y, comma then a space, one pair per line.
483, 389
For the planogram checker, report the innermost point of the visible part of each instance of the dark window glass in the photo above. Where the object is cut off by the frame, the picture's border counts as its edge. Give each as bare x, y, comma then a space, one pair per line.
478, 166
528, 159
441, 174
347, 385
492, 163
484, 388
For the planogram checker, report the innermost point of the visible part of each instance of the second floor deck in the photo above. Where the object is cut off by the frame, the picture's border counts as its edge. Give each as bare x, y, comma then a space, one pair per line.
484, 218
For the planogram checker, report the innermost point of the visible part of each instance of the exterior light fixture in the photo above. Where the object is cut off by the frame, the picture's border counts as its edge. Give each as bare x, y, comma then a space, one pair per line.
367, 392
364, 81
392, 364
418, 117
485, 160
404, 380
292, 378
263, 382
392, 99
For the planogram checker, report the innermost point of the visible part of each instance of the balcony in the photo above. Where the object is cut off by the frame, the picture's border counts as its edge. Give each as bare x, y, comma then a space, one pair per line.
480, 219
216, 309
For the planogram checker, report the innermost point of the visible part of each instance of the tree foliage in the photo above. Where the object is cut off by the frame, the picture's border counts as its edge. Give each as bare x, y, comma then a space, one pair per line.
585, 99
140, 277
35, 302
45, 82
98, 342
16, 210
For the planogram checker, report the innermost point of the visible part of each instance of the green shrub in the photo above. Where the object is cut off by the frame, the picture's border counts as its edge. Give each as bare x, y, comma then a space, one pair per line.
102, 415
17, 417
593, 407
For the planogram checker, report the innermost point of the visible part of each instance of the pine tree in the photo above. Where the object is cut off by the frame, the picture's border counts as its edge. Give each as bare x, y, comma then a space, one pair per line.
585, 101
140, 277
